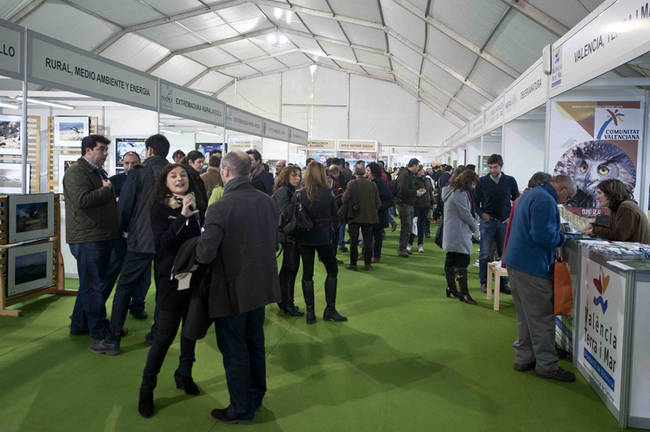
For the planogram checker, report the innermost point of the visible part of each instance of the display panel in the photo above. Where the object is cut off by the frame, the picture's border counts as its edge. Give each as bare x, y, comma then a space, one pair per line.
125, 145
69, 131
10, 178
10, 135
29, 267
31, 217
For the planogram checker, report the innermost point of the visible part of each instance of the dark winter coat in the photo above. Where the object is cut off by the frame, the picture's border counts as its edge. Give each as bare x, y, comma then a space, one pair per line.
364, 193
321, 209
406, 190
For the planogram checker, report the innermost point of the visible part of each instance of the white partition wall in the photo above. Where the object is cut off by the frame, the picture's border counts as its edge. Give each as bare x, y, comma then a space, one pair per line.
523, 149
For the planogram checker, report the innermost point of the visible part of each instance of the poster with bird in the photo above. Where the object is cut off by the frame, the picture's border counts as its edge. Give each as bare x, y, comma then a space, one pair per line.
69, 131
592, 141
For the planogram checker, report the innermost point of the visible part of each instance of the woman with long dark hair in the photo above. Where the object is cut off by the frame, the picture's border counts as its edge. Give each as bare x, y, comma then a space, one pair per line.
460, 223
318, 200
627, 222
285, 186
176, 216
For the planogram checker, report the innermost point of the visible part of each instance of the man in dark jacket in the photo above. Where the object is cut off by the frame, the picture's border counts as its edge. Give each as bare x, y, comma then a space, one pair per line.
241, 235
493, 197
91, 232
534, 236
136, 222
363, 193
406, 195
129, 160
260, 178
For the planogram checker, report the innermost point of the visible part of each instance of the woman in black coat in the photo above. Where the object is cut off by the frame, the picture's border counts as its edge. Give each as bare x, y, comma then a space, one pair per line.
175, 218
318, 200
285, 187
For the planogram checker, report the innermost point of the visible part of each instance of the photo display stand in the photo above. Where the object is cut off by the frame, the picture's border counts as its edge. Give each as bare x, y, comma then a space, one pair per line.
54, 176
58, 279
33, 154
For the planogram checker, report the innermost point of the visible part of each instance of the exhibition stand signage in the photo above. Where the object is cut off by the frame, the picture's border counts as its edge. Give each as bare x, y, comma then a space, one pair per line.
315, 145
494, 115
242, 121
63, 66
618, 33
298, 136
277, 131
11, 49
527, 93
601, 337
358, 145
182, 102
476, 126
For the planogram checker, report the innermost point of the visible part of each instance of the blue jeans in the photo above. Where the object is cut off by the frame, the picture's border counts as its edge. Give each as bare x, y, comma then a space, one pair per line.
89, 311
391, 212
342, 235
422, 214
491, 231
241, 341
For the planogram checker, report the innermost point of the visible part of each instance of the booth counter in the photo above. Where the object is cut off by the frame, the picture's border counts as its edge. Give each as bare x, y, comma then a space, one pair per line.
609, 331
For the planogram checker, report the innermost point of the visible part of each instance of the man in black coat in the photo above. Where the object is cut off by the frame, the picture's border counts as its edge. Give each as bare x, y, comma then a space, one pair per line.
260, 178
133, 211
239, 244
407, 192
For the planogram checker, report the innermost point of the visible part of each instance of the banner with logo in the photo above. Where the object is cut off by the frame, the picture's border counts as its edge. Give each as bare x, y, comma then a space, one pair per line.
602, 313
592, 141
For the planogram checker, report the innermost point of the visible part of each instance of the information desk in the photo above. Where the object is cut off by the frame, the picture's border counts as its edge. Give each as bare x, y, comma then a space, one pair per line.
609, 332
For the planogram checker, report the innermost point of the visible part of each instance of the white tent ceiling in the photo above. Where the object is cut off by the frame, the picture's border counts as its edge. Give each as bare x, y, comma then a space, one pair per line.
454, 55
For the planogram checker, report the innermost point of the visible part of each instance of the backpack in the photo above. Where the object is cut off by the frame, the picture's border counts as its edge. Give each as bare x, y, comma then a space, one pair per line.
296, 220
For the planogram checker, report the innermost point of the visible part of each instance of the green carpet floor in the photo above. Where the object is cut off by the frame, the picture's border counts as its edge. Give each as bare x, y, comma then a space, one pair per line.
407, 359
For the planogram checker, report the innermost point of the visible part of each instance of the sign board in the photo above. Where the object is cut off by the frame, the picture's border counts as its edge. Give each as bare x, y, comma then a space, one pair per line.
414, 151
271, 129
11, 49
63, 66
494, 115
616, 35
322, 145
298, 136
528, 93
243, 121
183, 102
357, 145
601, 328
476, 126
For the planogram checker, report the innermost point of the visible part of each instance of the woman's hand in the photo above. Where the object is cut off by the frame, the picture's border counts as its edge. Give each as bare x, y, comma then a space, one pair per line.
187, 211
589, 229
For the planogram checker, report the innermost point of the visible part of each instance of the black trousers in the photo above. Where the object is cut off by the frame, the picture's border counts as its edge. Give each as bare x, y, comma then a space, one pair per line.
326, 254
241, 341
288, 271
366, 231
136, 267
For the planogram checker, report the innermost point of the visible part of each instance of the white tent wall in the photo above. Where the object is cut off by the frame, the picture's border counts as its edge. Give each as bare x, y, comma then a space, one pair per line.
473, 152
329, 103
523, 149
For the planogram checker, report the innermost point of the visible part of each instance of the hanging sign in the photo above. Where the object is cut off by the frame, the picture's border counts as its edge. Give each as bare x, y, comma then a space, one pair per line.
358, 145
322, 145
180, 101
494, 115
243, 121
528, 93
271, 129
615, 36
63, 66
11, 50
298, 136
602, 313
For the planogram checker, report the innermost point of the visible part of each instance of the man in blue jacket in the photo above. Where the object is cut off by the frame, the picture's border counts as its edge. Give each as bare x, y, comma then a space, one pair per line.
534, 236
493, 197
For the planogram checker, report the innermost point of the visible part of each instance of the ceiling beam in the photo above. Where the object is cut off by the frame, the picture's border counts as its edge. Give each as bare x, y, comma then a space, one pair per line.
457, 37
25, 11
166, 20
541, 18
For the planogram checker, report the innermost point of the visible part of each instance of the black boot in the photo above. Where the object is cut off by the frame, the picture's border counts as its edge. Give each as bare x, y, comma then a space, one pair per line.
145, 403
330, 313
186, 383
464, 291
450, 275
308, 293
292, 309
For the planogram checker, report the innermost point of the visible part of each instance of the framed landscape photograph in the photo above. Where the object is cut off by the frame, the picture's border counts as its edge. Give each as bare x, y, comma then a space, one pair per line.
10, 135
64, 162
31, 217
29, 268
10, 178
125, 145
69, 131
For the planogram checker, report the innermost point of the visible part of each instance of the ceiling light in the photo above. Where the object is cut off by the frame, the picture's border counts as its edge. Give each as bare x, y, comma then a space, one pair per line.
272, 38
167, 131
9, 105
46, 103
277, 39
282, 39
277, 12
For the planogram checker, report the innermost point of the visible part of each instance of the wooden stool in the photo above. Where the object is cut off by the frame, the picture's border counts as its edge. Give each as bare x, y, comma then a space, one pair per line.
495, 271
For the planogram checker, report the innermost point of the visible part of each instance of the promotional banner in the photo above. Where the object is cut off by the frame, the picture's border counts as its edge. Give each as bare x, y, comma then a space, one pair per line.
600, 345
594, 141
11, 49
186, 103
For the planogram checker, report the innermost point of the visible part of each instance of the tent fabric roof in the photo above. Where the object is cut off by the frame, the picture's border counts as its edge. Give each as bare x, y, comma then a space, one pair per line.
454, 55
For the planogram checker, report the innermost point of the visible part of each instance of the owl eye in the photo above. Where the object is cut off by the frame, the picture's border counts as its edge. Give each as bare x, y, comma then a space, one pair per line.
583, 168
603, 170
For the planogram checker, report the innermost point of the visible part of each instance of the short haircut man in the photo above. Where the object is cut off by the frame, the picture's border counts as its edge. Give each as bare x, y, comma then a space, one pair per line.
260, 177
214, 161
413, 162
89, 142
257, 156
216, 152
159, 145
239, 241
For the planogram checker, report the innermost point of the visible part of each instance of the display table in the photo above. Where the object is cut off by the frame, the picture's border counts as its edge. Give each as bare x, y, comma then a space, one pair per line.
609, 332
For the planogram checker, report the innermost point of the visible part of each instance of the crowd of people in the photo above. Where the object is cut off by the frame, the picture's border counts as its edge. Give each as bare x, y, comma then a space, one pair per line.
205, 229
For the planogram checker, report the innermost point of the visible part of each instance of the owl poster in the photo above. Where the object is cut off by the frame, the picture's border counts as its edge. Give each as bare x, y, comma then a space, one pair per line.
594, 141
